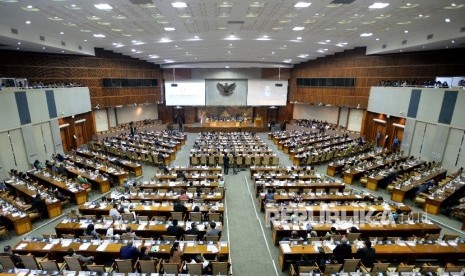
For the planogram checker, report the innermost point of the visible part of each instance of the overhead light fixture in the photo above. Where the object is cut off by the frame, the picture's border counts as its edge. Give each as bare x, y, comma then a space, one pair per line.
28, 22
366, 34
447, 20
170, 29
99, 35
302, 5
378, 5
103, 6
179, 5
298, 28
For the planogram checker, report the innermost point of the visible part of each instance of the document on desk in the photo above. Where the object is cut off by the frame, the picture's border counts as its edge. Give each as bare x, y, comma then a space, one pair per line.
84, 246
102, 247
66, 242
212, 248
141, 227
21, 246
48, 246
286, 227
286, 248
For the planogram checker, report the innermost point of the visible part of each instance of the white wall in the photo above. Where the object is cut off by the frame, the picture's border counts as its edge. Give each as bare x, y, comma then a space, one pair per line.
127, 114
101, 120
112, 116
321, 113
343, 116
232, 73
355, 120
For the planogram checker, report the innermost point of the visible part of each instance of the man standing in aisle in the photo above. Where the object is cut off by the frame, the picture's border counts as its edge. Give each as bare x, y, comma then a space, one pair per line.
226, 163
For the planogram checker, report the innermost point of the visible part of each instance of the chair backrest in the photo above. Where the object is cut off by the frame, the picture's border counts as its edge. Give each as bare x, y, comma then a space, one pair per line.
86, 238
352, 236
350, 265
432, 237
196, 216
380, 267
127, 216
49, 265
49, 236
169, 238
190, 237
73, 263
90, 217
448, 237
429, 268
143, 218
405, 268
194, 269
147, 266
308, 269
171, 268
220, 268
453, 268
214, 217
96, 268
212, 238
7, 263
332, 268
158, 218
124, 266
29, 262
179, 216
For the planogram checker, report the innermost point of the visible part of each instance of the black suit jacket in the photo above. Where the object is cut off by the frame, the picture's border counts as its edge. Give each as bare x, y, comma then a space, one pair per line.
342, 252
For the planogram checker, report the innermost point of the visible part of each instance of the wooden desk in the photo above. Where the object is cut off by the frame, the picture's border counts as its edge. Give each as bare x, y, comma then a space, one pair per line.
79, 196
150, 230
351, 175
374, 182
398, 194
155, 209
307, 185
21, 224
162, 197
53, 207
455, 187
103, 184
104, 251
401, 252
119, 177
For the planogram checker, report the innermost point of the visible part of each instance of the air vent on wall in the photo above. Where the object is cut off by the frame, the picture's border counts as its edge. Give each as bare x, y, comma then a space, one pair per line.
430, 36
462, 30
63, 43
14, 31
384, 46
342, 1
80, 47
42, 38
404, 42
236, 22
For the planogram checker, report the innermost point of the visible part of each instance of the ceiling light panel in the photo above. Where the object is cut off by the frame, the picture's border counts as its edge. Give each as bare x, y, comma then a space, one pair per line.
179, 5
378, 5
103, 6
302, 4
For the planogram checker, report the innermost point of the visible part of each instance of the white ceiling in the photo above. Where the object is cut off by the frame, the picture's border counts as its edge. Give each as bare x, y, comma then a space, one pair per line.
203, 30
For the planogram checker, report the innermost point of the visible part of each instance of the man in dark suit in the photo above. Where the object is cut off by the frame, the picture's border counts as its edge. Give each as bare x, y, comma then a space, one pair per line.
342, 251
129, 251
175, 230
226, 163
366, 254
39, 205
15, 258
193, 230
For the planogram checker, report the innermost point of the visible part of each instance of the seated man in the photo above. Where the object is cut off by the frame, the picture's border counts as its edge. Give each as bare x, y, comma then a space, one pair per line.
129, 251
304, 261
213, 231
342, 251
193, 230
175, 230
366, 254
14, 257
85, 260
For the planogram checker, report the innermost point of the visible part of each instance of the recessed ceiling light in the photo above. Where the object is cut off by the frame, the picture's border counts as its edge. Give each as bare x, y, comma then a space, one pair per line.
366, 34
408, 4
299, 38
29, 7
43, 48
85, 40
298, 28
196, 37
302, 5
62, 33
453, 41
227, 66
103, 6
447, 20
378, 5
272, 53
377, 39
133, 50
406, 31
179, 5
170, 29
420, 15
73, 5
99, 35
28, 22
19, 42
453, 4
230, 44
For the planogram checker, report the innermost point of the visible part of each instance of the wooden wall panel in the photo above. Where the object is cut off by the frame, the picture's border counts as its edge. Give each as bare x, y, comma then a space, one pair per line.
369, 71
87, 70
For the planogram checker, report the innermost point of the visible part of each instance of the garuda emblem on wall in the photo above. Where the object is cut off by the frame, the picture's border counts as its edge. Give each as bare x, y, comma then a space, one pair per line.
226, 89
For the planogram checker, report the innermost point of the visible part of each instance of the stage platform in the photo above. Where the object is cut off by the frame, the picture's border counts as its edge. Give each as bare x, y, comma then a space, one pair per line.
223, 128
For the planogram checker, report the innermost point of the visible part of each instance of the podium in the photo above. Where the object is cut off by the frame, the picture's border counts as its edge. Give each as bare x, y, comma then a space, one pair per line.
258, 122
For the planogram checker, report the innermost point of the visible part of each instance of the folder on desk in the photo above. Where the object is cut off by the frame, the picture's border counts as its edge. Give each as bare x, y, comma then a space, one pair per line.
286, 248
